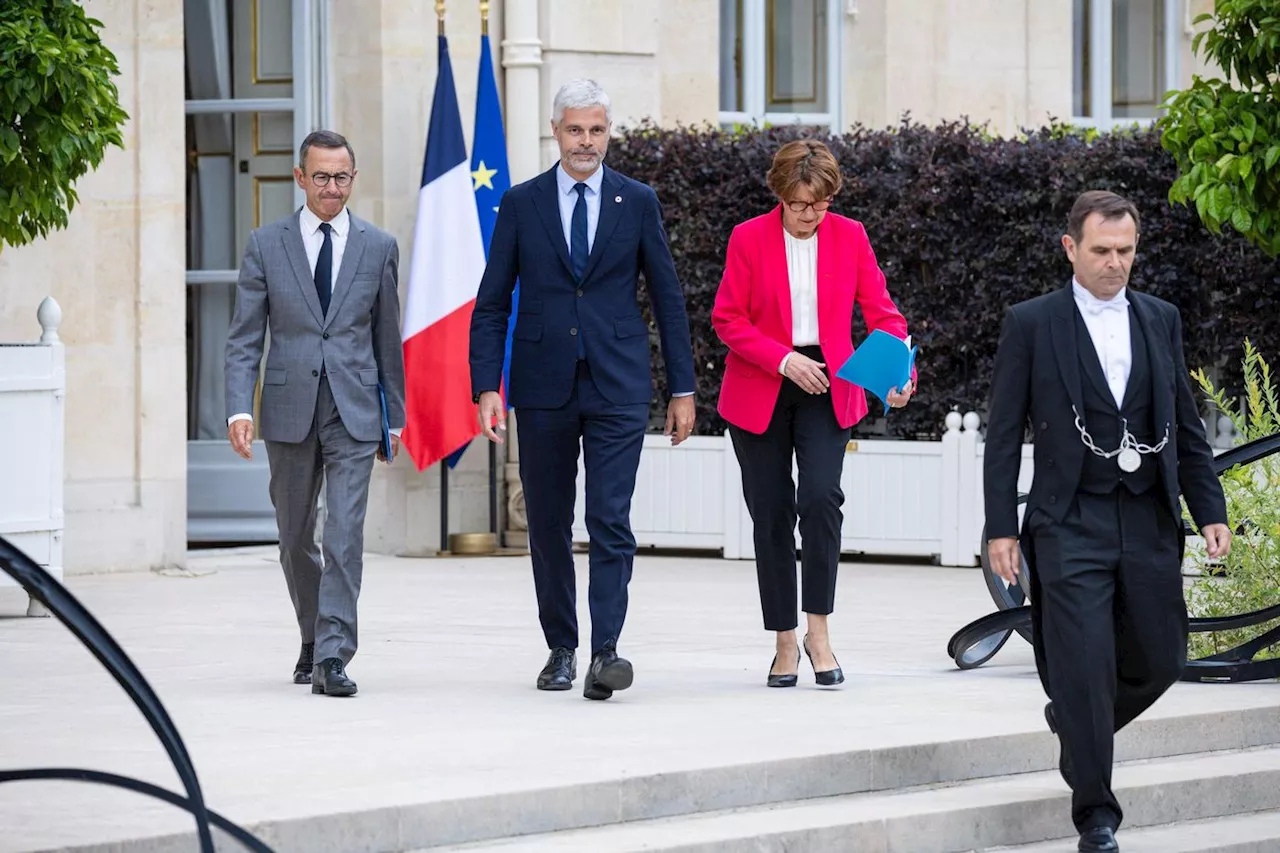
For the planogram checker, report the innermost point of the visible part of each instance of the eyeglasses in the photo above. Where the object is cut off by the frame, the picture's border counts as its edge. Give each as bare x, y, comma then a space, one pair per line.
321, 179
801, 206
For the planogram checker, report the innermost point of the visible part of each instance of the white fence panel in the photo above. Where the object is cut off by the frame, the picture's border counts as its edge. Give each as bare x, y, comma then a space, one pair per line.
678, 500
902, 498
893, 497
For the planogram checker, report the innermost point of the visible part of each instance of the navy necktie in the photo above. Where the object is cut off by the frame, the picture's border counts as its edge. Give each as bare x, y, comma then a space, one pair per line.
578, 233
577, 246
324, 269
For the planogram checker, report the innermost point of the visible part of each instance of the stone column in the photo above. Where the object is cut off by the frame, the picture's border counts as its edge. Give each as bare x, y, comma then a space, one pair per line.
522, 64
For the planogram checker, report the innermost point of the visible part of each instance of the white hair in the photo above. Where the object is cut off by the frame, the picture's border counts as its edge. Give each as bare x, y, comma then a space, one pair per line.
578, 95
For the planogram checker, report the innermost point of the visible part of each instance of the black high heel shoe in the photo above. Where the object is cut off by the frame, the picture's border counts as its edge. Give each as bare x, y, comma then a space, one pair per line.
783, 680
827, 677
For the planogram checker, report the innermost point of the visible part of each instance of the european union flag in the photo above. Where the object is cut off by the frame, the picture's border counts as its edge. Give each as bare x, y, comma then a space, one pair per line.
489, 174
490, 178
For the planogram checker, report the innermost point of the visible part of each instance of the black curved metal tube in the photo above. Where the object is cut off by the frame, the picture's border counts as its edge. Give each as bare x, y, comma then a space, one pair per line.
76, 774
980, 640
43, 587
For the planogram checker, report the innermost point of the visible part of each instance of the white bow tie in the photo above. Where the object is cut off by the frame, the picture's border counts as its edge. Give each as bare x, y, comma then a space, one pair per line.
1096, 306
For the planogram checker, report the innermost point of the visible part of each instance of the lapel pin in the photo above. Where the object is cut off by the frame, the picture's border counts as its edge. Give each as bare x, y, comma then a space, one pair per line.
618, 199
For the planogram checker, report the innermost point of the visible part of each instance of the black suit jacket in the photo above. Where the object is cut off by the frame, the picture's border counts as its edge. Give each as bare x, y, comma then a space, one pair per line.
554, 309
1037, 378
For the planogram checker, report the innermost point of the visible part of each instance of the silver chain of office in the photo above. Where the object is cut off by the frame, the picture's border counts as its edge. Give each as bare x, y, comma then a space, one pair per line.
1130, 452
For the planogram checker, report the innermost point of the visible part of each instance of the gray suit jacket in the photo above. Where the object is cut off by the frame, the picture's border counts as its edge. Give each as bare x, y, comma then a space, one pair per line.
357, 343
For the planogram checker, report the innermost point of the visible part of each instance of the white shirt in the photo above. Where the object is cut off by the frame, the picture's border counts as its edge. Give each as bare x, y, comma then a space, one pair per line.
313, 241
802, 275
568, 197
1108, 325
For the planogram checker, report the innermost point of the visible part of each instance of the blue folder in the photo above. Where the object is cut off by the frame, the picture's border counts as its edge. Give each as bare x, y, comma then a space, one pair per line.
385, 442
882, 363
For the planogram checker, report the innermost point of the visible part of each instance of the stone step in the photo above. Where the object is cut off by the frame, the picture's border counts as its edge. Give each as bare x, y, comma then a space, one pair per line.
697, 791
1248, 833
972, 815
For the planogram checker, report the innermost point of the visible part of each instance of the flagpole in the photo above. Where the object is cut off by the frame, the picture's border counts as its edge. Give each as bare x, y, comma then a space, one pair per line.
444, 463
493, 448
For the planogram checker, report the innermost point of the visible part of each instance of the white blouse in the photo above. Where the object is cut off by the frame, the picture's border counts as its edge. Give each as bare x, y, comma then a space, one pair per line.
802, 273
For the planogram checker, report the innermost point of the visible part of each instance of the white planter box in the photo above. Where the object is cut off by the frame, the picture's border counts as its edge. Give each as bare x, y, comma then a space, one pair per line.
679, 498
32, 393
902, 498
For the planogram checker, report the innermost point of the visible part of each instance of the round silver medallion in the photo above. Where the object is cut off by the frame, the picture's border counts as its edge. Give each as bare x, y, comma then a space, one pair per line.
1129, 460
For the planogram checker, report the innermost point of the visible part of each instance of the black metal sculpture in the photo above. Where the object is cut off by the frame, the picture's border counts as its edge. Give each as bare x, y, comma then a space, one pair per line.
42, 587
980, 640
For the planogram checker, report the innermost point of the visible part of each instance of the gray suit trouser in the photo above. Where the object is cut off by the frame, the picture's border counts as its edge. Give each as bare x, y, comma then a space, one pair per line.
324, 593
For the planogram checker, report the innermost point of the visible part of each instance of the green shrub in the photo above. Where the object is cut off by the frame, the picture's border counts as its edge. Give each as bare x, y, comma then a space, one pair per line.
1248, 578
963, 224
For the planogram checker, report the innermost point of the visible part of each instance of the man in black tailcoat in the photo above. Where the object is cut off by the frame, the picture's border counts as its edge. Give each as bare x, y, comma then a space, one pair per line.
1098, 372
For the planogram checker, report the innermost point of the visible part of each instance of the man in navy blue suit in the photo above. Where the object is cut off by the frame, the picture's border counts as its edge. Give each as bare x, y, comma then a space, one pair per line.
578, 237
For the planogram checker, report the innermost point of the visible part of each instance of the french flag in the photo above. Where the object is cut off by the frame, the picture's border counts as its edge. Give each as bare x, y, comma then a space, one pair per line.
448, 261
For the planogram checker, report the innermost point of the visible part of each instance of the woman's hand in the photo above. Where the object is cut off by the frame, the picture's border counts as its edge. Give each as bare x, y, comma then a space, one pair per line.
898, 399
806, 373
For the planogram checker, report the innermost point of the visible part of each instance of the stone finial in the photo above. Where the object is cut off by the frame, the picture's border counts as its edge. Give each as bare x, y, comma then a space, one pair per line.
50, 316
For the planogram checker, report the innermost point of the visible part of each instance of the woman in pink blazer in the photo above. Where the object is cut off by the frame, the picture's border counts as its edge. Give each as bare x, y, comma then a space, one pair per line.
785, 310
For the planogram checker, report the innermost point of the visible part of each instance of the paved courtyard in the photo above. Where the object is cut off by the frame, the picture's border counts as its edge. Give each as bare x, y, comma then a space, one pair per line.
447, 709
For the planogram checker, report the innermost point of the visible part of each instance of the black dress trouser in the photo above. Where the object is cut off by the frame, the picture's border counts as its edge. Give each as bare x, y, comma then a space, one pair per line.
1110, 627
804, 426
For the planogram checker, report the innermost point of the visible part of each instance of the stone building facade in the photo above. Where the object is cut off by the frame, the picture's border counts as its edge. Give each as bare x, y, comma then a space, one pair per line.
221, 91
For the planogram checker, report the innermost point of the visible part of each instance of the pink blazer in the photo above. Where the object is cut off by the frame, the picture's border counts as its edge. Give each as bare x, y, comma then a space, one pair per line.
752, 314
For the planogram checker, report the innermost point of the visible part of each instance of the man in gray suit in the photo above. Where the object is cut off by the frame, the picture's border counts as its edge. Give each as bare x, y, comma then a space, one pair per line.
324, 283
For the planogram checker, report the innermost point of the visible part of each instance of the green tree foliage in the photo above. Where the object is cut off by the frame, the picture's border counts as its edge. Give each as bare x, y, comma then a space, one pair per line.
59, 110
1225, 135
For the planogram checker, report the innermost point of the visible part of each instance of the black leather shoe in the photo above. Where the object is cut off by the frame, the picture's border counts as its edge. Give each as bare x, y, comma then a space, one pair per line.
827, 677
1064, 760
330, 678
788, 680
560, 671
306, 660
607, 673
592, 689
1101, 839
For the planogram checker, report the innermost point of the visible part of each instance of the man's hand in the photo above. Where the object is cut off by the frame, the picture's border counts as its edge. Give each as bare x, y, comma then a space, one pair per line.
491, 411
680, 417
897, 399
241, 434
1217, 540
806, 373
1006, 558
395, 449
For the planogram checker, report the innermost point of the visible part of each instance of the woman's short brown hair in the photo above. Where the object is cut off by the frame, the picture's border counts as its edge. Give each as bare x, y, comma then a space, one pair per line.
808, 162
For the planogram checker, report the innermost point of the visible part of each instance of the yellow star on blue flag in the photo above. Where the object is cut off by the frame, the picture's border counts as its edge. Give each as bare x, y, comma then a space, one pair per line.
483, 177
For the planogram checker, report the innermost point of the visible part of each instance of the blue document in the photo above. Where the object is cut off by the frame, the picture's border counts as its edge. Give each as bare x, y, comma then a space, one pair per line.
385, 443
880, 365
